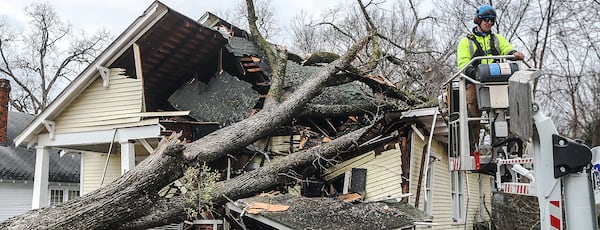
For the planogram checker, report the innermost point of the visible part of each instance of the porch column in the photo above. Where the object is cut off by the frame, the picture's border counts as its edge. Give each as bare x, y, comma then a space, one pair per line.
127, 156
40, 179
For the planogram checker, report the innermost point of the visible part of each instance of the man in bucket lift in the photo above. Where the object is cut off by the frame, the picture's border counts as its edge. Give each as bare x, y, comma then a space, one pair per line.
481, 42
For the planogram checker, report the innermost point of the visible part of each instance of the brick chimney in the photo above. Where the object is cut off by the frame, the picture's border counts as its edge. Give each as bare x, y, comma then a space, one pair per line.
4, 99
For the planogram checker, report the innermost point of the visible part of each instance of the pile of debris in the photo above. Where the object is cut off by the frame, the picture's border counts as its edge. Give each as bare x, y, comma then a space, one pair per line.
297, 212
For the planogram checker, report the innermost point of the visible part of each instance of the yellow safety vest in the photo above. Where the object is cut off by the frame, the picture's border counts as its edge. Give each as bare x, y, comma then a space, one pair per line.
467, 48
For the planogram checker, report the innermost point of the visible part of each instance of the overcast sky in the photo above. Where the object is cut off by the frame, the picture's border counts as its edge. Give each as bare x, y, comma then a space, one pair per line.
116, 15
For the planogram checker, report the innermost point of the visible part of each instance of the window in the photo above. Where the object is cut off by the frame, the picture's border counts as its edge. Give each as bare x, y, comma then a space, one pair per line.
56, 196
62, 194
458, 198
429, 186
73, 194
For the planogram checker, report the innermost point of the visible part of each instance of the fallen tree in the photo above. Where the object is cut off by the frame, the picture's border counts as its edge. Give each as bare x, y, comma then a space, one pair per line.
262, 179
133, 200
134, 194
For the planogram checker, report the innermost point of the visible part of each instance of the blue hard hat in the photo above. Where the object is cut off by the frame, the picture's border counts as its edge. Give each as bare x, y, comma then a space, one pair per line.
486, 11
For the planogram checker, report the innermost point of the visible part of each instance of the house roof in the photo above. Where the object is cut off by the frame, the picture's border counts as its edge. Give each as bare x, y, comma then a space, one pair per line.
332, 213
349, 93
172, 48
211, 20
422, 118
225, 99
241, 46
18, 163
426, 116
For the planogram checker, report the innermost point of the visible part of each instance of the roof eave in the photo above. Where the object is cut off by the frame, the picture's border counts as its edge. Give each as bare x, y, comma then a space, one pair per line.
150, 16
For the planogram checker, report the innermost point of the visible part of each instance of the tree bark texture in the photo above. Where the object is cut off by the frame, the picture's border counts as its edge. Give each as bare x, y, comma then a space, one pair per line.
260, 180
132, 195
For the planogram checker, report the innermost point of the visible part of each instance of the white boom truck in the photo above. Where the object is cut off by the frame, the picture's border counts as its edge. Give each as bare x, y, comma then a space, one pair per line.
553, 168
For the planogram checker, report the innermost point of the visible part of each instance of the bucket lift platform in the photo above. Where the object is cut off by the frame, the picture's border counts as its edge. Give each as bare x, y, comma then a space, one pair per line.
555, 169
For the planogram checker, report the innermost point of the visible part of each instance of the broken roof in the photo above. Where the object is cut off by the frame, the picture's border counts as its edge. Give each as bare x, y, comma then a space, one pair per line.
332, 213
224, 99
172, 48
240, 46
349, 93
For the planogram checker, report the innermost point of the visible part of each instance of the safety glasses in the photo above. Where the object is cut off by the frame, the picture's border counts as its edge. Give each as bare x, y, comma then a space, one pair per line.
489, 19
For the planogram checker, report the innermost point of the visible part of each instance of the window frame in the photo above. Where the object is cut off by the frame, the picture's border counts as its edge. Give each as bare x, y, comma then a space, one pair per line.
458, 197
57, 196
66, 194
76, 194
429, 184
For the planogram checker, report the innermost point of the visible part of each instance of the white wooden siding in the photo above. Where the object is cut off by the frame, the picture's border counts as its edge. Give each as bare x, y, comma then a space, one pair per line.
15, 198
100, 108
93, 167
384, 173
345, 166
442, 197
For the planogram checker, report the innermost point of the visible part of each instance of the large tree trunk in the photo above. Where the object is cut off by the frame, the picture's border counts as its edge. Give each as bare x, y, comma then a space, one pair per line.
262, 179
129, 196
132, 195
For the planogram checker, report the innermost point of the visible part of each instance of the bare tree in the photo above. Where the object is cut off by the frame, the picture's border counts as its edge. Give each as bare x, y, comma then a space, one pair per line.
135, 194
562, 46
405, 42
404, 49
265, 20
557, 37
306, 37
40, 61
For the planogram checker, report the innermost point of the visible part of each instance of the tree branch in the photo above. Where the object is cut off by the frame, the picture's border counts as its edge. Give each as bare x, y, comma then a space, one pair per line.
250, 183
276, 57
139, 187
316, 110
338, 29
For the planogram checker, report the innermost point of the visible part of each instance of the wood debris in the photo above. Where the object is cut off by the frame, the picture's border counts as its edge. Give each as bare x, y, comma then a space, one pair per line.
258, 207
349, 197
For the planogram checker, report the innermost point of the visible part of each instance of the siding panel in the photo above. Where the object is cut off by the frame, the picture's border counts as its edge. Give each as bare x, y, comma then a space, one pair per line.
15, 198
105, 115
98, 107
93, 167
384, 175
442, 198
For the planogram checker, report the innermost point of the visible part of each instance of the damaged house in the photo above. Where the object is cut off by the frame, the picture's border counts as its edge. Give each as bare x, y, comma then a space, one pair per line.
406, 162
168, 73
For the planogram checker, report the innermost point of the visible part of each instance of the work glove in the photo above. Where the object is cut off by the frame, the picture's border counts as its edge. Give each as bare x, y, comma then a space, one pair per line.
470, 71
518, 56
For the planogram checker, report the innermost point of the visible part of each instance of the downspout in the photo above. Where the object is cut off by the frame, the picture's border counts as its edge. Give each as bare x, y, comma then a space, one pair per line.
428, 153
468, 199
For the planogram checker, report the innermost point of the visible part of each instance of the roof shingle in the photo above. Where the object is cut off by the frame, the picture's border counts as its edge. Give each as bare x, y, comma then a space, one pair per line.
18, 163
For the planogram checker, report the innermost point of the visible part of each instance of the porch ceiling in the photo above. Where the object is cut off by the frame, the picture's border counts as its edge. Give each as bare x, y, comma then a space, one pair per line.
172, 52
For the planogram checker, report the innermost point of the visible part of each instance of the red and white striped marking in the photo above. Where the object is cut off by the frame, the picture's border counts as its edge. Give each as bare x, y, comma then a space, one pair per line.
555, 214
516, 188
515, 161
505, 68
454, 163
